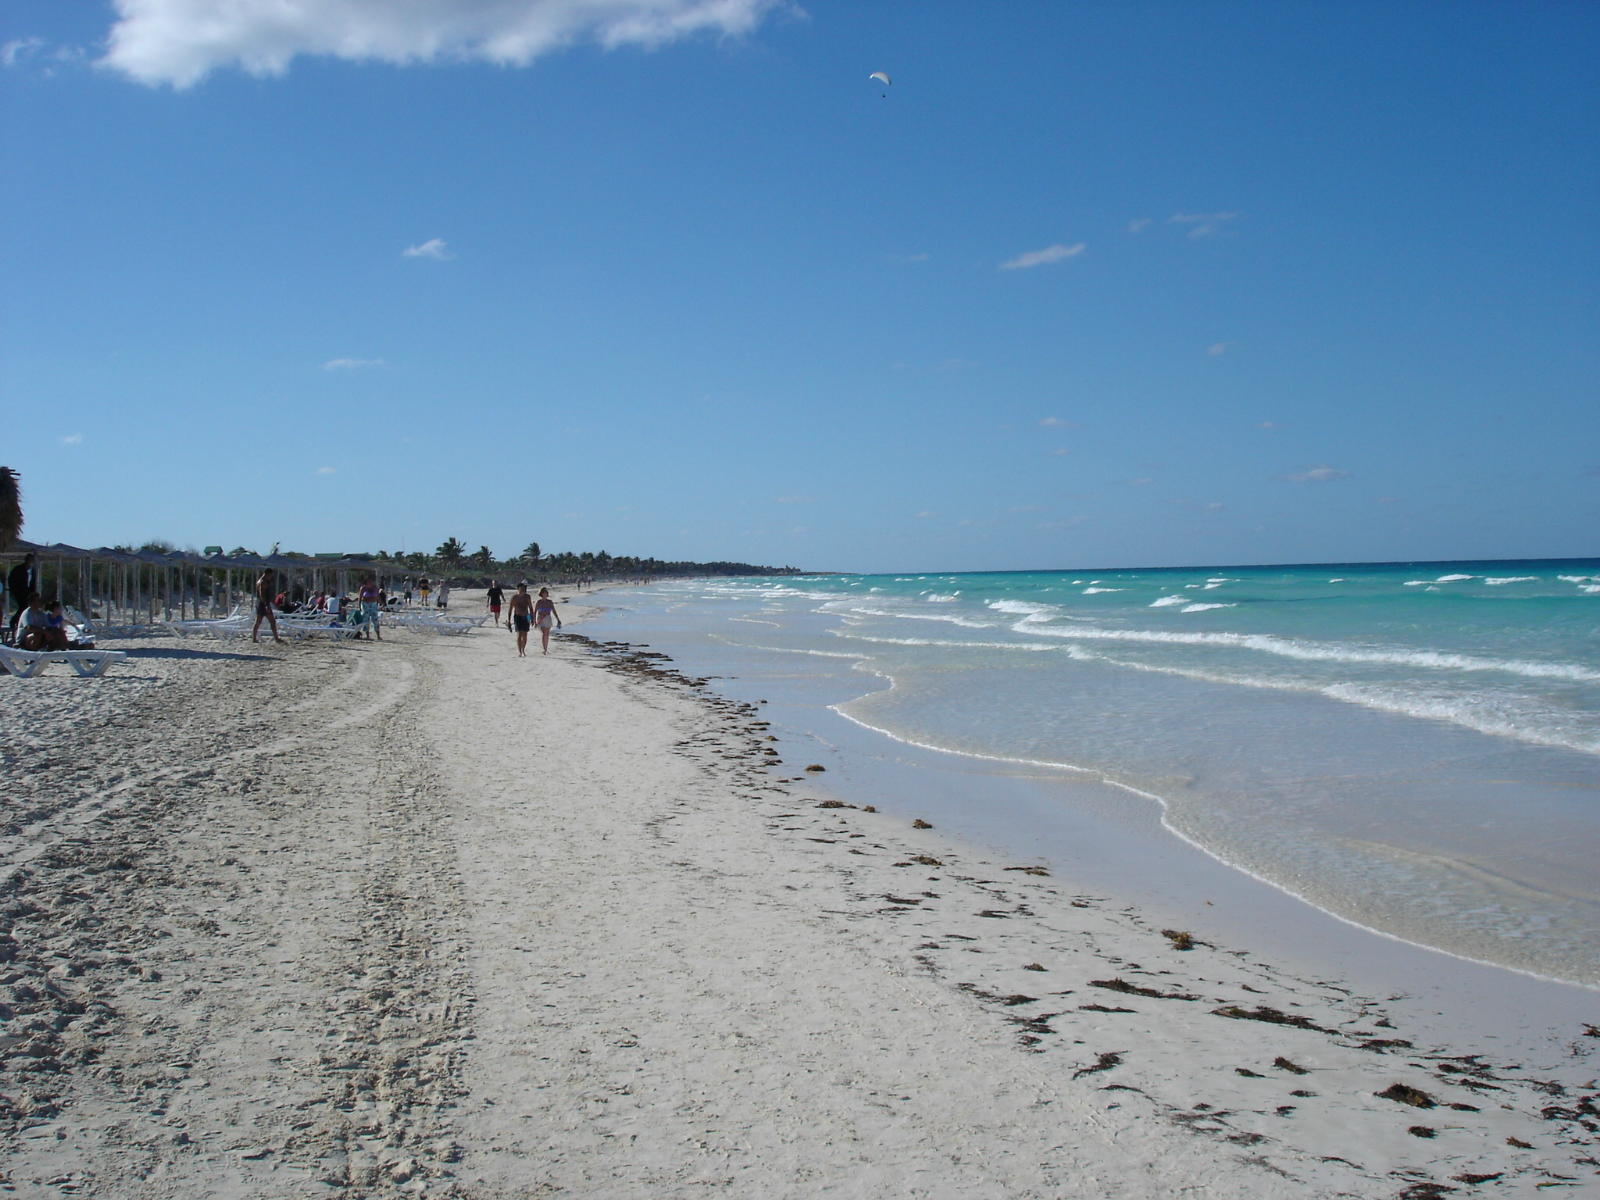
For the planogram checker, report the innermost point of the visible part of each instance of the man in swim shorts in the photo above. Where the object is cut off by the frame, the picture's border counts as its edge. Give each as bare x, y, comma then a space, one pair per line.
521, 619
264, 605
495, 597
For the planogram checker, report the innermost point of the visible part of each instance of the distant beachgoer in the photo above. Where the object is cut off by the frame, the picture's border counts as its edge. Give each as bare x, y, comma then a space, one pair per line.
521, 618
544, 613
370, 596
495, 597
21, 583
264, 606
408, 593
423, 590
444, 594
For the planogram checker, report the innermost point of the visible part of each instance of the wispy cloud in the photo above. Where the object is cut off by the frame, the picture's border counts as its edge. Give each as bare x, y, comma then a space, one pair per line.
1057, 423
1318, 475
326, 470
38, 53
352, 364
1203, 224
1218, 349
1139, 224
432, 248
925, 514
72, 439
1038, 258
180, 42
15, 52
1268, 425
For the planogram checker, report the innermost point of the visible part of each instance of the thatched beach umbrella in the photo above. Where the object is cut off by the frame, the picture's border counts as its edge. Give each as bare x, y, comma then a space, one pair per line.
10, 507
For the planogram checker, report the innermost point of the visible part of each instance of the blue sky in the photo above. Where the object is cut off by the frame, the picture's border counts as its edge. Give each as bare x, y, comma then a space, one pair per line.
1097, 284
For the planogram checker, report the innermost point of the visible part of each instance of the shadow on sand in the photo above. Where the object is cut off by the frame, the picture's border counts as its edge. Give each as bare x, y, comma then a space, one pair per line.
136, 652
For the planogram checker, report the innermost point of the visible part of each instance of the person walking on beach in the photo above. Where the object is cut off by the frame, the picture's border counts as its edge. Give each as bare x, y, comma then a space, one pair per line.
370, 595
264, 605
521, 618
422, 590
495, 598
544, 612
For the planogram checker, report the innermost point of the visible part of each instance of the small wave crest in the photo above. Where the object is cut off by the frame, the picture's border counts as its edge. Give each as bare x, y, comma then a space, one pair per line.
1437, 660
1205, 607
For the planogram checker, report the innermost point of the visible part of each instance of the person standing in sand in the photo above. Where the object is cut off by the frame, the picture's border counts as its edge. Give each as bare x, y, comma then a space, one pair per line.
496, 598
544, 612
20, 583
371, 593
521, 618
264, 606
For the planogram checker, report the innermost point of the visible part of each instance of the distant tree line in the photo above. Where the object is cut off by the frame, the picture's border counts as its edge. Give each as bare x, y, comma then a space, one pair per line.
478, 567
481, 565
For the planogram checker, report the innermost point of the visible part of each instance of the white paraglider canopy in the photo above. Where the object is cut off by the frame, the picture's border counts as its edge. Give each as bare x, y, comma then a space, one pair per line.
881, 75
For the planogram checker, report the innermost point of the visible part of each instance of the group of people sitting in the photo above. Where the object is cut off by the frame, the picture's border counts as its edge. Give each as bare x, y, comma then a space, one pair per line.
43, 626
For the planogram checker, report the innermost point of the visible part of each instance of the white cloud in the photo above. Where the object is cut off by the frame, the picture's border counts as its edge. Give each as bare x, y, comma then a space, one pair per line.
432, 248
1038, 258
1217, 349
37, 53
16, 51
1060, 450
352, 364
925, 514
326, 470
1268, 425
1318, 475
1138, 224
1057, 423
72, 439
1203, 224
180, 42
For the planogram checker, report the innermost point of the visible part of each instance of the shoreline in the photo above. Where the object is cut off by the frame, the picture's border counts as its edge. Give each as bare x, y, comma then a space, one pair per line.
420, 918
1017, 808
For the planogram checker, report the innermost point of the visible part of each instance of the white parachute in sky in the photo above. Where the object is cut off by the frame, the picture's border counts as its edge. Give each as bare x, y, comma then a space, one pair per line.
882, 76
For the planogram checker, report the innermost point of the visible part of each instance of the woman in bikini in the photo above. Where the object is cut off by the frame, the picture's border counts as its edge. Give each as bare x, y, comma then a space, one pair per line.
544, 614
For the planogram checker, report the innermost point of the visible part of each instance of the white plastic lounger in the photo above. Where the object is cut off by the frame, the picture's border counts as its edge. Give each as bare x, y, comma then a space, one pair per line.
25, 664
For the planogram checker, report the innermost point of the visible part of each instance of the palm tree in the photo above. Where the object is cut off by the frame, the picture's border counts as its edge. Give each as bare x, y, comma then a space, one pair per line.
530, 554
483, 559
450, 551
10, 507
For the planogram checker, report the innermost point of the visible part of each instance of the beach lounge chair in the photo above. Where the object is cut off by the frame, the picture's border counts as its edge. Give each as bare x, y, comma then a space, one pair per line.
25, 664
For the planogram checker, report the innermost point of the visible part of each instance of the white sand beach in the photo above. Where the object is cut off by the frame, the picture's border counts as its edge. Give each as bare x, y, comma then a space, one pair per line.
421, 918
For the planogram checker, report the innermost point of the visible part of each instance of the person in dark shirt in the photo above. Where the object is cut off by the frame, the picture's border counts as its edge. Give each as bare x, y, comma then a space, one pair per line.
20, 584
495, 597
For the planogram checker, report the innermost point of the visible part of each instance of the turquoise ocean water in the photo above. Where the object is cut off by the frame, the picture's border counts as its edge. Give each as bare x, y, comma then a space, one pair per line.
1411, 747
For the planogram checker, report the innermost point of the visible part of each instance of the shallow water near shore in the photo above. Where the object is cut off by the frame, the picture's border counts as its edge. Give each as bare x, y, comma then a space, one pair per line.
1414, 748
